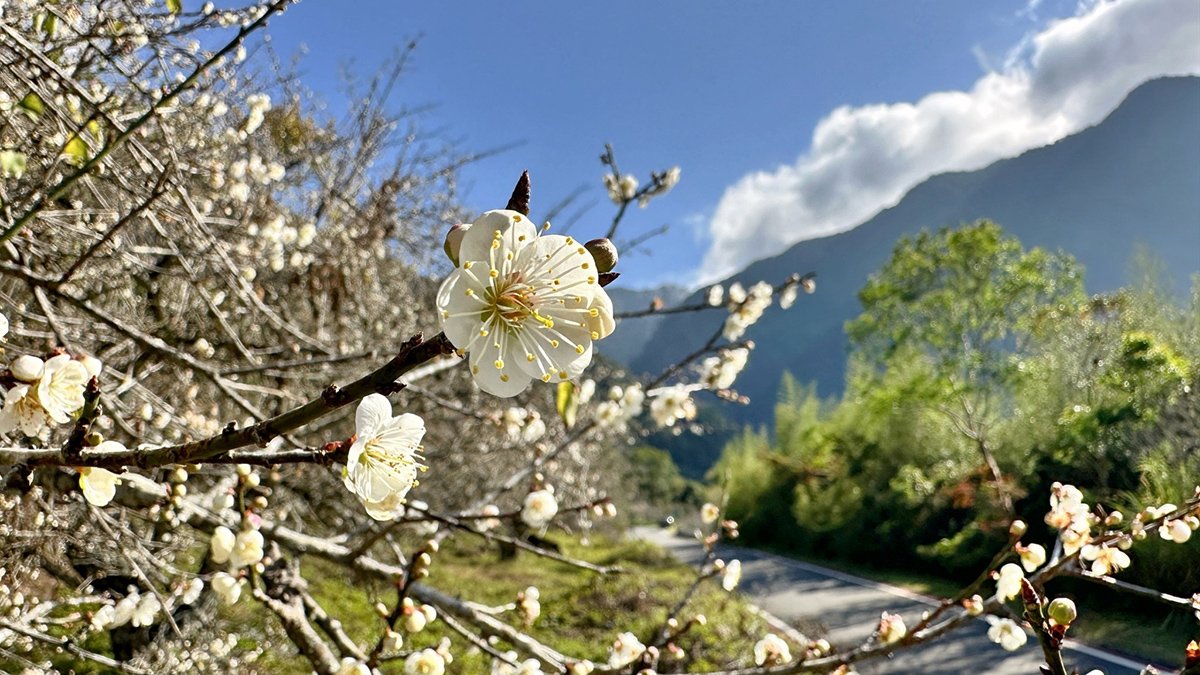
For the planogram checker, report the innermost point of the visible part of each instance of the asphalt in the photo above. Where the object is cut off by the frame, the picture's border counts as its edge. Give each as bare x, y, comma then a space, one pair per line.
845, 609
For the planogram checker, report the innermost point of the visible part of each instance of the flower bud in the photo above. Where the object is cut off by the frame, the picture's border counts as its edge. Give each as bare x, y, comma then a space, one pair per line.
1114, 519
27, 368
92, 365
1017, 529
604, 253
93, 438
1062, 611
454, 241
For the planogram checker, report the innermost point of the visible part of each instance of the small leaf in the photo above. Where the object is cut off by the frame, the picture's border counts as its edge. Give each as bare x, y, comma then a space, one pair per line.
175, 6
49, 24
76, 151
32, 103
12, 164
567, 403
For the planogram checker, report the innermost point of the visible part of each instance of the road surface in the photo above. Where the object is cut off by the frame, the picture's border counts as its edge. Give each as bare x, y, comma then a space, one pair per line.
847, 608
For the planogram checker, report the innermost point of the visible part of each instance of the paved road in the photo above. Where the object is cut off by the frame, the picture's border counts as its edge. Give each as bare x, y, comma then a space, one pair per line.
847, 608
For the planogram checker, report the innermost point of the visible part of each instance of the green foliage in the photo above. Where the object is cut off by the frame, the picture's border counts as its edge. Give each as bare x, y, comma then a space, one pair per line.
960, 296
656, 477
967, 340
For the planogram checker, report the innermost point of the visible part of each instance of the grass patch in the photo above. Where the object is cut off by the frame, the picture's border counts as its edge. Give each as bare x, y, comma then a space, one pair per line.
582, 612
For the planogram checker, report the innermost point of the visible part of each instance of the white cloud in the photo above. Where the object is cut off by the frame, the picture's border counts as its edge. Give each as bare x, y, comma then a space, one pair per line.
1065, 77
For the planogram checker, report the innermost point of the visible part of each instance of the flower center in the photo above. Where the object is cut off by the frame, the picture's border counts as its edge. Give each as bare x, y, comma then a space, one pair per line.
510, 301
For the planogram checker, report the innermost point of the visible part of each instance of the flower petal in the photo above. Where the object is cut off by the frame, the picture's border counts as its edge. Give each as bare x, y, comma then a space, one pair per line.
508, 380
477, 242
373, 413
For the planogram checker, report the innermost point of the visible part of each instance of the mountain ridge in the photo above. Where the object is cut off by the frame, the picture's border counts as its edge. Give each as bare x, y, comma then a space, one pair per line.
1131, 180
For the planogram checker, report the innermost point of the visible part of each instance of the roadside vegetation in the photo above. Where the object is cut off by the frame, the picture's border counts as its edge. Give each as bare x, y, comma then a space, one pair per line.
981, 374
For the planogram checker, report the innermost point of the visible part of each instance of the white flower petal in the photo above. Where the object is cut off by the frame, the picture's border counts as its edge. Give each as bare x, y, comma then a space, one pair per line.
373, 413
478, 239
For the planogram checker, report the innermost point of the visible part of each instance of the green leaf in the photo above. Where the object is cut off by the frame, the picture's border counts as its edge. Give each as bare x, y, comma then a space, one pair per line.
76, 151
175, 6
567, 403
12, 164
32, 103
49, 24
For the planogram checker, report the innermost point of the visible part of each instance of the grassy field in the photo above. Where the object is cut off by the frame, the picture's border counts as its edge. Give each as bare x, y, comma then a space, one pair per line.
582, 612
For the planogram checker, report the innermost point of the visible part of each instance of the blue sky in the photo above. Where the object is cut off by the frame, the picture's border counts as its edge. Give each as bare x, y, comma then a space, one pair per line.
731, 92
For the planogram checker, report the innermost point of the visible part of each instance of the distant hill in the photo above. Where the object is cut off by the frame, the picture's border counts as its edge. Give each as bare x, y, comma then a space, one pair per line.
1132, 180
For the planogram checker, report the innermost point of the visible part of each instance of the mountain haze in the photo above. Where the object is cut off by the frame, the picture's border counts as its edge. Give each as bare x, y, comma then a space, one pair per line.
1131, 181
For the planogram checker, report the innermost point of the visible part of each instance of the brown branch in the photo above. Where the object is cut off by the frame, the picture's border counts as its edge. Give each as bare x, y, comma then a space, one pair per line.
412, 353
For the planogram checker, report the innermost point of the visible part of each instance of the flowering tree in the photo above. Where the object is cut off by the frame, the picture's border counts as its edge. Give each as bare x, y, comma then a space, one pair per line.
214, 310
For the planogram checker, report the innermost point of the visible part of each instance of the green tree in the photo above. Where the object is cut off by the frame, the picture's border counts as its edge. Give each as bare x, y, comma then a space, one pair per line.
966, 299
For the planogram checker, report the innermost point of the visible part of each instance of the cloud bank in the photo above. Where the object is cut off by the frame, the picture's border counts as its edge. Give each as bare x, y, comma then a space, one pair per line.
863, 159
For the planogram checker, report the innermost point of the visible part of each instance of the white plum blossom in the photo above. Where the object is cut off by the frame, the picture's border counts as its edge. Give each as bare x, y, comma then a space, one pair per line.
227, 587
737, 294
587, 389
1006, 633
27, 368
99, 486
529, 605
22, 410
715, 294
771, 650
352, 666
539, 509
103, 618
1105, 559
424, 662
491, 522
60, 390
623, 404
625, 650
522, 424
221, 544
732, 576
1176, 530
609, 415
620, 189
719, 372
709, 513
670, 178
247, 549
147, 608
383, 461
1033, 556
523, 305
746, 312
124, 610
787, 297
191, 591
891, 628
672, 404
1008, 581
1070, 516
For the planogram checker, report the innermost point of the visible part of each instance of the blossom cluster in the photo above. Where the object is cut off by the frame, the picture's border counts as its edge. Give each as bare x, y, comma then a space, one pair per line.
746, 308
46, 392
